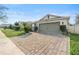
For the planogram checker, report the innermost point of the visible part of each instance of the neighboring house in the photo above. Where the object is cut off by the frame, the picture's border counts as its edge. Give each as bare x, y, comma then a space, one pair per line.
4, 25
50, 24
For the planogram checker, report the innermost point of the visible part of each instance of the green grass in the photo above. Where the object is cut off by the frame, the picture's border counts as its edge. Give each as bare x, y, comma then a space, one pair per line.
74, 44
74, 39
12, 33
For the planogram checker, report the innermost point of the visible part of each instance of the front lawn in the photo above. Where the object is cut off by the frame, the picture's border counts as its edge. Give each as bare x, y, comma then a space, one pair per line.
74, 44
12, 33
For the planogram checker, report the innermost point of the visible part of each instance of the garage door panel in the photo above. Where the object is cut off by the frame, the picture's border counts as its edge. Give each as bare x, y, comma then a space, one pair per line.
49, 28
43, 28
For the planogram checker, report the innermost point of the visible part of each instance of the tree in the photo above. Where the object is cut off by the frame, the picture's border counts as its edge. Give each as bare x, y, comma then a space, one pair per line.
3, 15
26, 27
10, 26
77, 19
17, 27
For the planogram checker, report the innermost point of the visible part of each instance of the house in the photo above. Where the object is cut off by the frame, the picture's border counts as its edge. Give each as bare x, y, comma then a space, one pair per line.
50, 24
4, 25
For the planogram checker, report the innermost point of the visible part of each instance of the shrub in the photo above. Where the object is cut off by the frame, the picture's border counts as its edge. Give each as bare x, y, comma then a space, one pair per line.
17, 28
26, 29
63, 29
5, 27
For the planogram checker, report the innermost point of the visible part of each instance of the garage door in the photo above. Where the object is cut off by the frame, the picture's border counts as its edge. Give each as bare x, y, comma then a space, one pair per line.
49, 28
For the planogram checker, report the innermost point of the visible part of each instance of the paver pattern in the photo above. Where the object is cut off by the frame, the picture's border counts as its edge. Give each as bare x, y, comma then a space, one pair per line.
40, 44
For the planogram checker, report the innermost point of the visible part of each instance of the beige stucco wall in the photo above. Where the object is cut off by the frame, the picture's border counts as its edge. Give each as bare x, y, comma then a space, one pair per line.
53, 19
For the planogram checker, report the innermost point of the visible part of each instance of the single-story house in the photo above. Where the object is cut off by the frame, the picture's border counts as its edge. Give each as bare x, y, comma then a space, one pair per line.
4, 25
50, 24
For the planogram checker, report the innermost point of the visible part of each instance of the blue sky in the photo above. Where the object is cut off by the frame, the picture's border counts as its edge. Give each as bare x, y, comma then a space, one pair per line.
33, 12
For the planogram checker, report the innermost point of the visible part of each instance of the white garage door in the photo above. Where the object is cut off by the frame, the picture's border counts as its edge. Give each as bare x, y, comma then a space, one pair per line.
49, 28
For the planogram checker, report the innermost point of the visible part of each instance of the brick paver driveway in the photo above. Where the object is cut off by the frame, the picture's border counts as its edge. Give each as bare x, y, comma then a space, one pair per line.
40, 44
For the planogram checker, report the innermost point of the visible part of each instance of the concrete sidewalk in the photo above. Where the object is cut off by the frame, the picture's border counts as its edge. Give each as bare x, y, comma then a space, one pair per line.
7, 47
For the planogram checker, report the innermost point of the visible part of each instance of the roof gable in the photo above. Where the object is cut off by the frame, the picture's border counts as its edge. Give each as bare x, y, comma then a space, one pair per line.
52, 18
